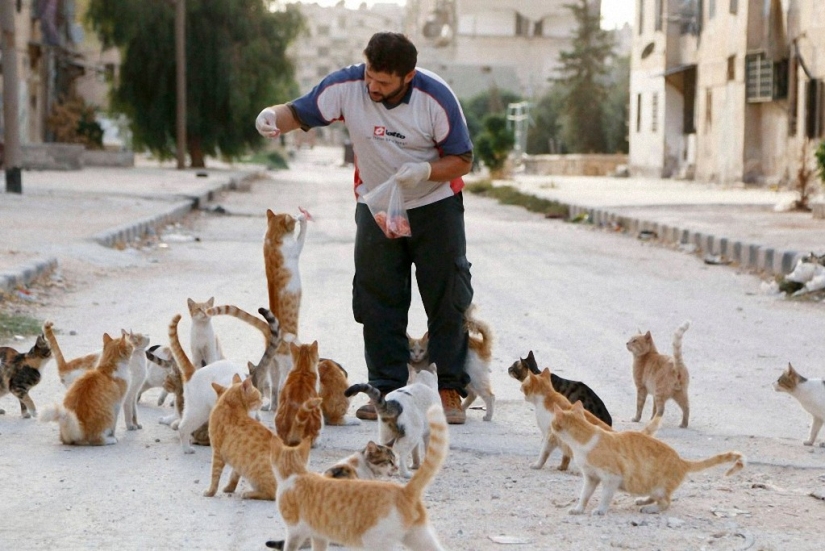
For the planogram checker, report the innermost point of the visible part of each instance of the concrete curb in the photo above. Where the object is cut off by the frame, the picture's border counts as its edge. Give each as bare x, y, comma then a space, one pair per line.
126, 233
751, 256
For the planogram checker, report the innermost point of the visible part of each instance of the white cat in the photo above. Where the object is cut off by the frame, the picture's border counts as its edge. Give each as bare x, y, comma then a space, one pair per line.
203, 342
403, 414
157, 369
137, 376
811, 395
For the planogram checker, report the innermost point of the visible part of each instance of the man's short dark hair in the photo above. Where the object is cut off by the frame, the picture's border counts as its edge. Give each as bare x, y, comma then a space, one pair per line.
391, 53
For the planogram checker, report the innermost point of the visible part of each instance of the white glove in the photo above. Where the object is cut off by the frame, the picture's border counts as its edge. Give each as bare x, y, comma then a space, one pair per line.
267, 124
411, 173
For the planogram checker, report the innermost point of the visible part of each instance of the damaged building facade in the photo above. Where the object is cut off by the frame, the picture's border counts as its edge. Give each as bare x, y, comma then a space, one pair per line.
726, 90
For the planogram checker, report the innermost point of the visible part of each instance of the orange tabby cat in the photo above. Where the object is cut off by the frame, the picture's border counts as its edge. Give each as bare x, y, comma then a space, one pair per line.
631, 461
659, 374
364, 514
333, 383
301, 384
90, 408
538, 390
69, 371
240, 441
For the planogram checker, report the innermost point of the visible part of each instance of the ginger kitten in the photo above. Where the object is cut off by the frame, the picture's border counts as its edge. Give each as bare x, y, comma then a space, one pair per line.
364, 514
90, 408
663, 376
810, 393
333, 382
240, 441
301, 385
631, 461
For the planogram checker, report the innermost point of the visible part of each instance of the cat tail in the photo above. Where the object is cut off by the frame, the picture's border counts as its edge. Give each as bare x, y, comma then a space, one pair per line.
382, 407
70, 430
677, 342
273, 333
163, 362
474, 325
302, 417
184, 363
736, 458
243, 315
48, 333
653, 426
436, 453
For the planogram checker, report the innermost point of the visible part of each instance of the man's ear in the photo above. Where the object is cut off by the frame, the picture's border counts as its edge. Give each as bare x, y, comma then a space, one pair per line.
409, 76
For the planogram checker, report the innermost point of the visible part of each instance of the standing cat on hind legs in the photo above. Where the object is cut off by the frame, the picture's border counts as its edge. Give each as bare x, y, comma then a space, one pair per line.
88, 415
631, 461
19, 372
360, 514
810, 393
659, 374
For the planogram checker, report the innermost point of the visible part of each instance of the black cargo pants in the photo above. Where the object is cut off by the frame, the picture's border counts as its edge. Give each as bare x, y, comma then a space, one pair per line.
381, 292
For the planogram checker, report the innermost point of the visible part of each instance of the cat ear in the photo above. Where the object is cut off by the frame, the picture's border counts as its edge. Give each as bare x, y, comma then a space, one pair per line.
426, 335
211, 302
578, 407
546, 373
236, 378
314, 346
269, 215
557, 410
218, 388
190, 302
370, 447
648, 335
106, 339
432, 368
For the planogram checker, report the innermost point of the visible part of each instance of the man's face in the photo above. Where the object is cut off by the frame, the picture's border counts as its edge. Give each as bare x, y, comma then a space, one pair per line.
386, 86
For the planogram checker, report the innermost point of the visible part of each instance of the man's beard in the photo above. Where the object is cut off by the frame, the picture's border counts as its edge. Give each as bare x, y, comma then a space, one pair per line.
395, 95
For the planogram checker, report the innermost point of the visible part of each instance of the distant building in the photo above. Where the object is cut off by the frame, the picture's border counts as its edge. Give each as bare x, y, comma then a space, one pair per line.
726, 90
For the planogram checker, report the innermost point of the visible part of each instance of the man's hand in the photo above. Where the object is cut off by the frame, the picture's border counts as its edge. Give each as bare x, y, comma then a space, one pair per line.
267, 123
412, 173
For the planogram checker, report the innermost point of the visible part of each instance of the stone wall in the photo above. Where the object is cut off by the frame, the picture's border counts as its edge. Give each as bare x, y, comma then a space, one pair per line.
574, 164
69, 156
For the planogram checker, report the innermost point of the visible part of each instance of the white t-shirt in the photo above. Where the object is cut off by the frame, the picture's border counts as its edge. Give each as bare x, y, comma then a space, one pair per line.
426, 125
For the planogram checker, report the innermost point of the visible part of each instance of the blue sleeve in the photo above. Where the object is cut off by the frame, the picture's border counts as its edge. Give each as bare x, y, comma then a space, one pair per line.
323, 104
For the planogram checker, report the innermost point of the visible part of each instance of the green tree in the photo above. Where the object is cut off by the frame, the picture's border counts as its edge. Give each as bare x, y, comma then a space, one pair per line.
583, 75
495, 142
616, 108
492, 101
546, 119
235, 65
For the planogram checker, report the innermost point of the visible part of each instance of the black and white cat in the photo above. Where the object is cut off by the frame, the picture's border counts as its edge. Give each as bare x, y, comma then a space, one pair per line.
810, 393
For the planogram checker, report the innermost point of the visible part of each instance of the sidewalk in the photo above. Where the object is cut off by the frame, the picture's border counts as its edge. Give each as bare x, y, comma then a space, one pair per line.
111, 205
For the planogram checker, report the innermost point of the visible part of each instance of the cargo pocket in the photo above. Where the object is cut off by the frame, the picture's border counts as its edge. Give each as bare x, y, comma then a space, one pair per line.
462, 286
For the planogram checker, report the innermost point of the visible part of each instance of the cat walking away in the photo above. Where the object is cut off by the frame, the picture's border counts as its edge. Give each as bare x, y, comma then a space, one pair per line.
20, 372
665, 377
631, 461
810, 393
360, 514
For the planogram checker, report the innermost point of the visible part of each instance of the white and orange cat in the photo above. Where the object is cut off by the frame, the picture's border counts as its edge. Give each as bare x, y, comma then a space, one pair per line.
240, 441
362, 514
301, 385
810, 393
477, 364
90, 408
665, 377
631, 461
203, 343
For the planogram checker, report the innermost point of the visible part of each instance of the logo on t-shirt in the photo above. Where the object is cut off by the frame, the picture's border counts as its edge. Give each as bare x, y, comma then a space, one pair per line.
379, 131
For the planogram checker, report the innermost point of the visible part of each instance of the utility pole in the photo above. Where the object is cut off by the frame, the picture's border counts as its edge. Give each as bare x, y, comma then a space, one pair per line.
11, 95
180, 72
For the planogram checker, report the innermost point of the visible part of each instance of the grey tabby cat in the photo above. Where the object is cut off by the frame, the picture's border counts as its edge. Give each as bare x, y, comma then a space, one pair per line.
572, 390
19, 372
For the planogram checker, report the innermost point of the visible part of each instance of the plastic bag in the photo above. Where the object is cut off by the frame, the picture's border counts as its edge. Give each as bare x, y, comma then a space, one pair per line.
386, 203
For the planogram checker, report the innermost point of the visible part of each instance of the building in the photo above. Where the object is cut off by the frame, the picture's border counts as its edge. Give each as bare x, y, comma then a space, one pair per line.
726, 90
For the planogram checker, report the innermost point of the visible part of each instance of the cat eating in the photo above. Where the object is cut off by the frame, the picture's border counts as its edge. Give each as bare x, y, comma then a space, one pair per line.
631, 461
810, 393
663, 376
301, 385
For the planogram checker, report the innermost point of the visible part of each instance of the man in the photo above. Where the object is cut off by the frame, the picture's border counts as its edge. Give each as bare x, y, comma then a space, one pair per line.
403, 122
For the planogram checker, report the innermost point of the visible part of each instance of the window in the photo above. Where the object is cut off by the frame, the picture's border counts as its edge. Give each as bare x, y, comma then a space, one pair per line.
638, 113
813, 108
732, 68
708, 108
793, 96
654, 112
758, 78
522, 25
734, 6
641, 16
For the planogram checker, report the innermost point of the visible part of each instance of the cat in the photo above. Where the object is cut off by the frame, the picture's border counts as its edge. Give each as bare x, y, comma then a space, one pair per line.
333, 382
372, 462
572, 390
282, 251
172, 382
203, 343
301, 384
157, 370
811, 395
402, 414
20, 372
663, 376
240, 441
631, 461
88, 415
364, 514
198, 394
477, 364
71, 370
539, 391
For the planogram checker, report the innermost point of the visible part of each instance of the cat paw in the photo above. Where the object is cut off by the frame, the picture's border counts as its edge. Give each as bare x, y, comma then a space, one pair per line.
109, 440
537, 465
598, 512
174, 424
134, 427
209, 493
28, 415
266, 407
189, 450
487, 418
2, 411
636, 419
822, 444
576, 511
650, 509
808, 443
